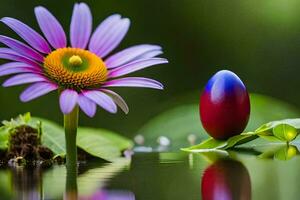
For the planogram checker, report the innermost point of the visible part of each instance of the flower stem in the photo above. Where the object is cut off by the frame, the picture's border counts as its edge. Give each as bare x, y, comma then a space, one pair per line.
71, 124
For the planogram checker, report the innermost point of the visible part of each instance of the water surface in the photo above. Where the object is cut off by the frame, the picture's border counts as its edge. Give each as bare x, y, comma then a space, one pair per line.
161, 176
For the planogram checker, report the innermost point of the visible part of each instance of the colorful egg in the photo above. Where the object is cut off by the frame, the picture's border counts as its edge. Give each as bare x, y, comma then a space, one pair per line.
224, 105
226, 179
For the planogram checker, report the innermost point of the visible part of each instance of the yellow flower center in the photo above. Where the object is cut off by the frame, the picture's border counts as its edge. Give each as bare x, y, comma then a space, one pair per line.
75, 68
75, 61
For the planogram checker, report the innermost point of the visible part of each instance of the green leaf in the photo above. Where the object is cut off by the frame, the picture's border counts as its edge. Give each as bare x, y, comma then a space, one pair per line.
25, 117
240, 139
53, 136
285, 132
97, 142
118, 140
210, 143
269, 138
246, 140
280, 132
4, 135
20, 120
102, 143
270, 125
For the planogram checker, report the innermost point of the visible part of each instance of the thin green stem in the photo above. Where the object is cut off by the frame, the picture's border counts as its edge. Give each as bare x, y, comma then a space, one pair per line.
71, 124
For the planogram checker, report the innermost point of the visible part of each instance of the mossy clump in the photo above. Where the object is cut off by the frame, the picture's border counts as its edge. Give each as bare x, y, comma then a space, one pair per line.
24, 147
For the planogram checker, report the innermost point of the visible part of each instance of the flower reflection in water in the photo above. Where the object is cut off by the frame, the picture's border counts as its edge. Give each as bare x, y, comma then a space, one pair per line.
110, 195
226, 180
59, 182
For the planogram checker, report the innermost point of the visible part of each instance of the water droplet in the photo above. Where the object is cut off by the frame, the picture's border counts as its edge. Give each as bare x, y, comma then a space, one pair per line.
163, 141
139, 139
192, 139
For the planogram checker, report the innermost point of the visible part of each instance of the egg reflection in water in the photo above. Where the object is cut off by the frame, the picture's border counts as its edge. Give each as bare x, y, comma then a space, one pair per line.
226, 180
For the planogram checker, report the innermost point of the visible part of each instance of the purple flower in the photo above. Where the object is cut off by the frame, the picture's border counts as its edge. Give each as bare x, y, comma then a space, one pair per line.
83, 71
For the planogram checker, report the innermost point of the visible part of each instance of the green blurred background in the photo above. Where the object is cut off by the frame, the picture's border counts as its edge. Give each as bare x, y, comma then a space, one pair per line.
259, 40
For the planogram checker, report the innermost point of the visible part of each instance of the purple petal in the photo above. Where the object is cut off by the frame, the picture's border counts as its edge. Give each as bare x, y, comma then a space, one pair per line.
13, 65
17, 70
51, 28
81, 26
87, 106
21, 48
28, 34
68, 100
129, 54
135, 66
101, 31
23, 79
134, 82
118, 100
115, 38
101, 99
6, 53
108, 35
151, 54
36, 90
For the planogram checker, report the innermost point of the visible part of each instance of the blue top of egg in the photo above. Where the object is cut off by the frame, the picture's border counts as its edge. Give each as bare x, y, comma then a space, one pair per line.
225, 80
223, 85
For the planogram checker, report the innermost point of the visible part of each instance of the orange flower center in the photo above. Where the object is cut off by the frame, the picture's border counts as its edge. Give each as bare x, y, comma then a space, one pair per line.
75, 68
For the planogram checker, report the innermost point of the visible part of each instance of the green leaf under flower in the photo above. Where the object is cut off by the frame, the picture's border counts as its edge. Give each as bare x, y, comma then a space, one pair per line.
53, 136
119, 141
100, 143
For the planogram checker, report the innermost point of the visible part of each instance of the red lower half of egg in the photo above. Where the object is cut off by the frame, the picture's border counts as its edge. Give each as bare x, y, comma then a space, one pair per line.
225, 116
